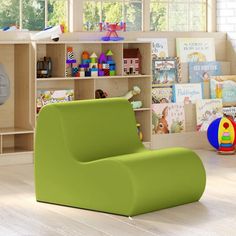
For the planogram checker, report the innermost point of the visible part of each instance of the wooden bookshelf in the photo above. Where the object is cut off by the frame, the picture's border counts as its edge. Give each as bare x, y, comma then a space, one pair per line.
115, 86
16, 129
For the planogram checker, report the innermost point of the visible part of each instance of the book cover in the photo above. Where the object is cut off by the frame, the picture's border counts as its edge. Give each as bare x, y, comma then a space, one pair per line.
168, 118
207, 110
45, 97
223, 87
202, 71
187, 93
230, 112
159, 46
195, 49
166, 71
161, 95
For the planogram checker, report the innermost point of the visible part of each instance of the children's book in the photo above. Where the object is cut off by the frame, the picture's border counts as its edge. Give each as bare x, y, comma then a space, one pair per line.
45, 97
187, 93
208, 110
195, 49
161, 95
223, 87
202, 71
159, 46
230, 112
168, 118
166, 71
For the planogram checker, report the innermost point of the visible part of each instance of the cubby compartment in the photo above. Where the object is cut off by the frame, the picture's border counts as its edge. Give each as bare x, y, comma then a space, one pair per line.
17, 143
84, 89
145, 51
56, 52
114, 87
16, 112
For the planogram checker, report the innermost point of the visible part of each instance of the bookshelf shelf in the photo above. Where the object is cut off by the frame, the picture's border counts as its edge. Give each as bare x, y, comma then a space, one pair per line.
114, 86
16, 116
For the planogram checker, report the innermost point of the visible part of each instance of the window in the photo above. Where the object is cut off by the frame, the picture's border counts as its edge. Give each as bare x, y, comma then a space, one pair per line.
129, 11
178, 15
33, 14
160, 15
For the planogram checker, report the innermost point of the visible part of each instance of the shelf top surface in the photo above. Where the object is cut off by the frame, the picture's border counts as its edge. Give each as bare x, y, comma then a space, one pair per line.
91, 42
97, 77
7, 131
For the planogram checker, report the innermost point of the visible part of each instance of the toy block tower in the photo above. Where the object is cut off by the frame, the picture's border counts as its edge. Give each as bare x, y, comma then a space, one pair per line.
84, 66
101, 61
93, 65
111, 63
71, 66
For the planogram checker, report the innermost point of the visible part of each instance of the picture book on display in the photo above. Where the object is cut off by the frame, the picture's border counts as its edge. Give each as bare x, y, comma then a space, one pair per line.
230, 112
166, 71
187, 93
168, 118
208, 110
45, 97
202, 71
161, 94
195, 49
223, 87
159, 46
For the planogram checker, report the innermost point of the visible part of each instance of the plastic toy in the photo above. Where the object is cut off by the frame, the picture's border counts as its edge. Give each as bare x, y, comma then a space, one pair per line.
140, 134
99, 93
50, 32
44, 68
132, 61
111, 29
4, 85
222, 135
135, 91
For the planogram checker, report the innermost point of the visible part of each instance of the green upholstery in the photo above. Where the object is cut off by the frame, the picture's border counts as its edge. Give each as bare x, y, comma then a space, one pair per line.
88, 155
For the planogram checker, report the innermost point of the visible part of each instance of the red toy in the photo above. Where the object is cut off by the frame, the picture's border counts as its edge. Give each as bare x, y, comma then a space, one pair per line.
111, 29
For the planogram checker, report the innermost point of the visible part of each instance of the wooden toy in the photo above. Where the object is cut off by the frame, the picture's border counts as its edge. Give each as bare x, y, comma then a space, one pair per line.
132, 61
221, 135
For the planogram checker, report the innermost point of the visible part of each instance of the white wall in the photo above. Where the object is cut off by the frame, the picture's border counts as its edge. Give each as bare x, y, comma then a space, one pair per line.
226, 18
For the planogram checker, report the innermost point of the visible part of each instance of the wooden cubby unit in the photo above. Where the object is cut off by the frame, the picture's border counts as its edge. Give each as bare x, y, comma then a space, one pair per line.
115, 86
16, 116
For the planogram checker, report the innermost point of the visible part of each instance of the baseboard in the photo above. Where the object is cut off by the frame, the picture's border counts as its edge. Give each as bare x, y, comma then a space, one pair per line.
16, 159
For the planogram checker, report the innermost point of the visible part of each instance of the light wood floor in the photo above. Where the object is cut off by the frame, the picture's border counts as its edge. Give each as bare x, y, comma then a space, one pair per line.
214, 215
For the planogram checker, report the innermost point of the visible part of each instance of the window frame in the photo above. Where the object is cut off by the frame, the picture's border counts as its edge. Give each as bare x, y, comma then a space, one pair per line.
45, 13
76, 16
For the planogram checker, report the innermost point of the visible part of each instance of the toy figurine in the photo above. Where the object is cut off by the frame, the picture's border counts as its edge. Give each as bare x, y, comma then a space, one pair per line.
222, 135
111, 29
140, 134
99, 93
135, 91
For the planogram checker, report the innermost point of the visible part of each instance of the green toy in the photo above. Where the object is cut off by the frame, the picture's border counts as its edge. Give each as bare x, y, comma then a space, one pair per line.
88, 155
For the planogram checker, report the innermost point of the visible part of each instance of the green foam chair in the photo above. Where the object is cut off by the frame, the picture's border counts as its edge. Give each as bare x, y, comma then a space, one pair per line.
88, 155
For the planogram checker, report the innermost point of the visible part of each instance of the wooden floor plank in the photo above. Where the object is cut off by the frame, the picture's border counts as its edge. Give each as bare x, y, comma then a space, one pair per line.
214, 215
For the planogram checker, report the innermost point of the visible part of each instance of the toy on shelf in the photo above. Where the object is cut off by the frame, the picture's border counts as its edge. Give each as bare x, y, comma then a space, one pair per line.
50, 32
140, 134
91, 65
99, 93
130, 94
111, 29
132, 61
222, 135
71, 66
44, 68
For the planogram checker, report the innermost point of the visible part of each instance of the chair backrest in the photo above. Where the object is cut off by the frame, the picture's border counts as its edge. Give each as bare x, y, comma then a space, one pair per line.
101, 128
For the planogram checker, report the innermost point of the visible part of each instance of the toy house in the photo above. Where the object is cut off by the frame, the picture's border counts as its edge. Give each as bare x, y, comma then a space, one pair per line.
132, 61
